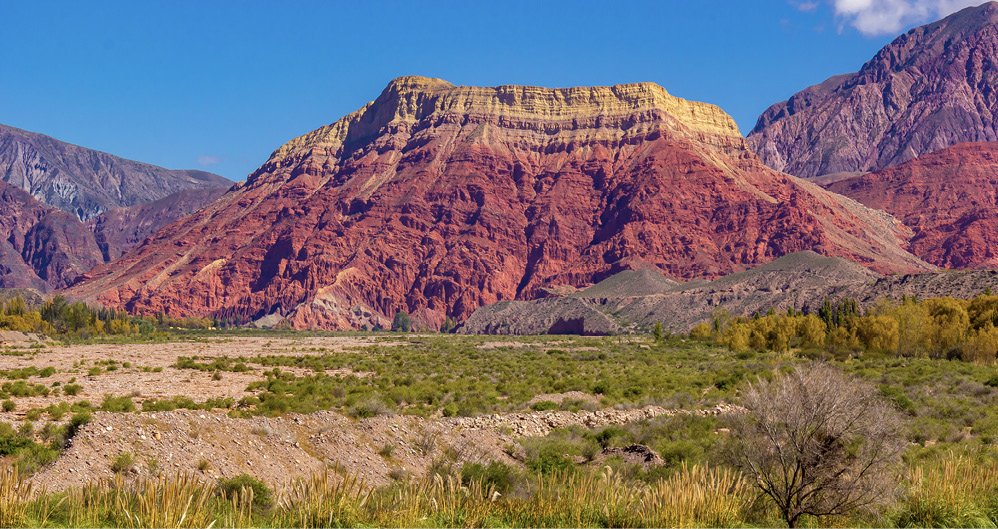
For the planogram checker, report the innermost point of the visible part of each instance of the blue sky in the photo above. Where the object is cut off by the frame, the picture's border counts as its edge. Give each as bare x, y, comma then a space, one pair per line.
218, 85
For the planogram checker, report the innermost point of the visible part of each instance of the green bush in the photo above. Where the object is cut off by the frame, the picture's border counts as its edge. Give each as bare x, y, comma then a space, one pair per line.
495, 474
263, 497
124, 462
117, 404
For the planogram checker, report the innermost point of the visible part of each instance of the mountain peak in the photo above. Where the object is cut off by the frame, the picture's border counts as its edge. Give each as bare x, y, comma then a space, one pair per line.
929, 89
410, 99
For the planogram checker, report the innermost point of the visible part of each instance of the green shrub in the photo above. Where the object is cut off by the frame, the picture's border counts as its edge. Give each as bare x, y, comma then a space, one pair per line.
544, 405
124, 462
263, 497
117, 404
498, 475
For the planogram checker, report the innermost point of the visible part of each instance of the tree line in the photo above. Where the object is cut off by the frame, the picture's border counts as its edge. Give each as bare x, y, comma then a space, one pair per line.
942, 327
60, 317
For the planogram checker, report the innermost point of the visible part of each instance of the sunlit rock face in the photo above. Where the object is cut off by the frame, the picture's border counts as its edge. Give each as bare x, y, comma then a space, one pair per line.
437, 199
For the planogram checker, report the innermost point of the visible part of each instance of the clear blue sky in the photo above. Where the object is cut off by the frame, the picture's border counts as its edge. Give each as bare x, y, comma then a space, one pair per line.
218, 85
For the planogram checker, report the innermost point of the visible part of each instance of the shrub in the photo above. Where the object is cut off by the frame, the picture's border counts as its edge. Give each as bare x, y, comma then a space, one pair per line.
544, 405
498, 475
124, 462
230, 488
818, 443
117, 404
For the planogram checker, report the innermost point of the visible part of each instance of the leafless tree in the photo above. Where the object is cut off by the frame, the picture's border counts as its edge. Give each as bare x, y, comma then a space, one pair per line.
818, 442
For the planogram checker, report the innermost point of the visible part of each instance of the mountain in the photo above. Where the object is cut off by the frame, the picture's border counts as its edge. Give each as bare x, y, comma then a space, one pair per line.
42, 247
67, 209
802, 281
437, 199
931, 88
85, 182
949, 198
120, 229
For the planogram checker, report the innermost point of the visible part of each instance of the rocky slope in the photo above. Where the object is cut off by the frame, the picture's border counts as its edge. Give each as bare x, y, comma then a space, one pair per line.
121, 229
437, 199
949, 198
931, 88
86, 182
801, 281
280, 450
41, 247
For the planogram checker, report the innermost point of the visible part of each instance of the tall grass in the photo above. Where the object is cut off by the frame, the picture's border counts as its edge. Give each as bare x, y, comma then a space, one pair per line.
179, 501
955, 491
694, 497
951, 491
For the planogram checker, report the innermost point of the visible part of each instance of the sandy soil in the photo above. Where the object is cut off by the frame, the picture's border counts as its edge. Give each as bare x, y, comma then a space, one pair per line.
151, 375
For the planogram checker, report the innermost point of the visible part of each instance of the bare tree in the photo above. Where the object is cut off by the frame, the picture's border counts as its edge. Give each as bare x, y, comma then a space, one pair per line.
818, 442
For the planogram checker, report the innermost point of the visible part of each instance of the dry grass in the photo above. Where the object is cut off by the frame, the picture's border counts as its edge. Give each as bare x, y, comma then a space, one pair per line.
955, 491
694, 497
949, 492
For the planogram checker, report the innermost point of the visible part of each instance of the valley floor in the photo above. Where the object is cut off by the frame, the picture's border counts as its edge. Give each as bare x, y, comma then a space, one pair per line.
397, 412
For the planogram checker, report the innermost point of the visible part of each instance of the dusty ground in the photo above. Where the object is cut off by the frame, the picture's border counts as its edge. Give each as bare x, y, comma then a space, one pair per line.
150, 374
279, 450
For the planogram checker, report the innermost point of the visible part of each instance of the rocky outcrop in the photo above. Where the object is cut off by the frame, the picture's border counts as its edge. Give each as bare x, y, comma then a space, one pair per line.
437, 199
948, 198
86, 182
41, 247
931, 88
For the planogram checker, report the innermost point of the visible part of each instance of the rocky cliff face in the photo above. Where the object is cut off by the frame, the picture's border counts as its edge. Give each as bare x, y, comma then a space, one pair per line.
437, 199
42, 247
85, 182
949, 198
931, 88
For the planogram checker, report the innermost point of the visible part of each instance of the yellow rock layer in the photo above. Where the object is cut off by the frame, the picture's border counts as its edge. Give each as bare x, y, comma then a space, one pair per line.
411, 99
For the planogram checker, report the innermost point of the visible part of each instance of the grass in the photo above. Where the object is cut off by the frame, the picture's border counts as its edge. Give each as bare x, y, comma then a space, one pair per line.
952, 410
695, 497
952, 491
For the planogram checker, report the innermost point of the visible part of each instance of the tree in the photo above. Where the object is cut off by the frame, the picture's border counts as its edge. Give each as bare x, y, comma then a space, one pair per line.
448, 326
818, 442
402, 322
657, 333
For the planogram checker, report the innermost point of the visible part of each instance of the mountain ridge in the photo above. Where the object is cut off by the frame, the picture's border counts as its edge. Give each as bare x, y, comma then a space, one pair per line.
930, 88
508, 191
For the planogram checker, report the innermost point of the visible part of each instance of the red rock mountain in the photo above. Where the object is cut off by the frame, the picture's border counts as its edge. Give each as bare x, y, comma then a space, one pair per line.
931, 88
42, 247
949, 198
437, 199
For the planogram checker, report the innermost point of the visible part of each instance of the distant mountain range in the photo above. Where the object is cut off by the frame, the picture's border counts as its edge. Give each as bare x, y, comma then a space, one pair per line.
933, 87
439, 200
69, 208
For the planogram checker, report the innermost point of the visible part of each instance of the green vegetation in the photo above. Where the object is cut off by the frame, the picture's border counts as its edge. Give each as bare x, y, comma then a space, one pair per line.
949, 492
67, 320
